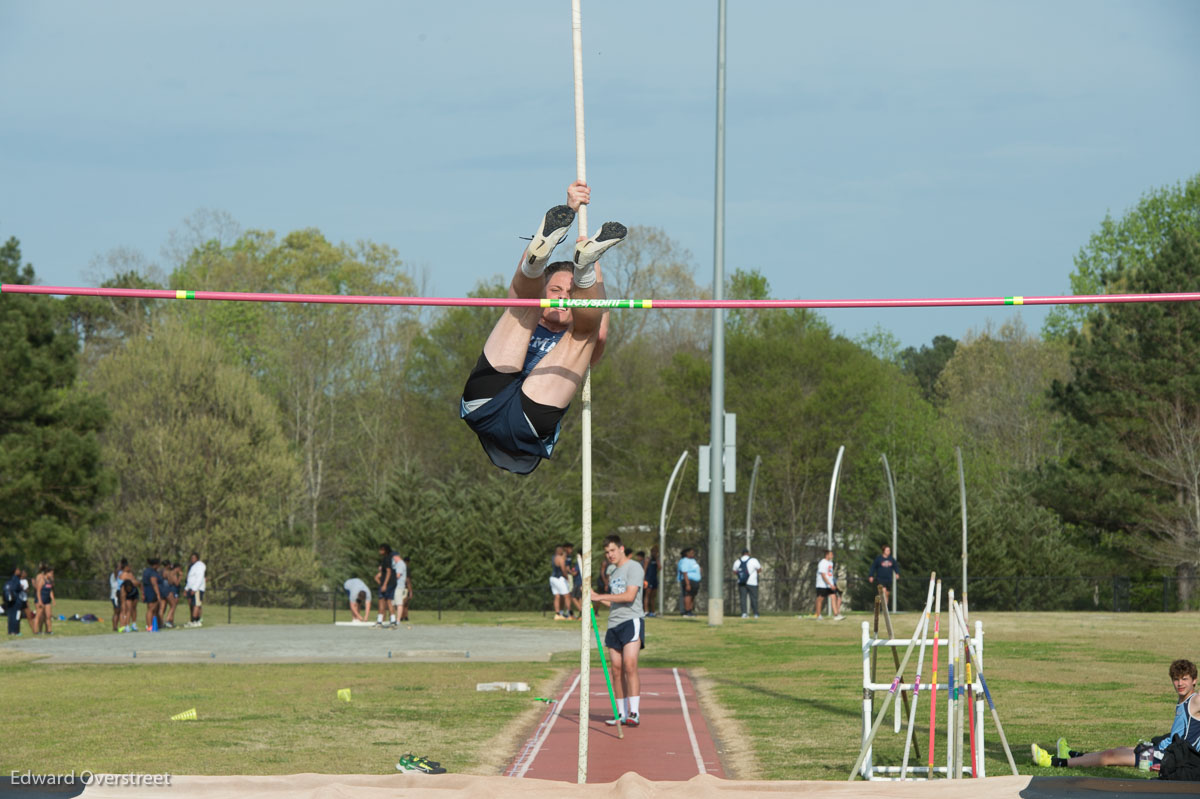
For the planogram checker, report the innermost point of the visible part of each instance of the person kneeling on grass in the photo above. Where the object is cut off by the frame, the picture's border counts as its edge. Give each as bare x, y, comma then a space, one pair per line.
1186, 725
626, 635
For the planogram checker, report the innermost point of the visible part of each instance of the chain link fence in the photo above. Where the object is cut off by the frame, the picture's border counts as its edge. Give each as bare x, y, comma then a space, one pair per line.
1112, 593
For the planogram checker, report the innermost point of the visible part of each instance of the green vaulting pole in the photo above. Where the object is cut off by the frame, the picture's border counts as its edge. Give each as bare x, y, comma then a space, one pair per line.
604, 665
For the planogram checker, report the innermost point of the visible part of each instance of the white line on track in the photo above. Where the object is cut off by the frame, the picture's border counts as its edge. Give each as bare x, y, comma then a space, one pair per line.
687, 720
545, 733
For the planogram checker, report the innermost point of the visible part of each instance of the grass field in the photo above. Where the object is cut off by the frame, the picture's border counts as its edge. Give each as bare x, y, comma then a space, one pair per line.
783, 695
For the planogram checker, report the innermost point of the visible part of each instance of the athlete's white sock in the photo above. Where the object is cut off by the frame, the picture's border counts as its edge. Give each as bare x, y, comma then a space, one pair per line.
625, 707
634, 701
393, 618
533, 268
585, 276
379, 619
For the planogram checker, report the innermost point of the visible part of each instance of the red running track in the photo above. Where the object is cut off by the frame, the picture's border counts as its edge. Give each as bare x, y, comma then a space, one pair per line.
672, 743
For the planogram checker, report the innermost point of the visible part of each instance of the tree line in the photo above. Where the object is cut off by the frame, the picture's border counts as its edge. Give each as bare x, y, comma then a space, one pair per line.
286, 441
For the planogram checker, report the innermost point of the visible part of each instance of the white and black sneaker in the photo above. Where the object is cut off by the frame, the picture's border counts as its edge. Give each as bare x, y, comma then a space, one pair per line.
611, 234
550, 233
615, 722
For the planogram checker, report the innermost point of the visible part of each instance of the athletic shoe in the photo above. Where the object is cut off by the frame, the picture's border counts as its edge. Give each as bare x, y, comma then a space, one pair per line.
615, 722
1040, 756
418, 764
745, 616
633, 721
611, 234
393, 626
378, 625
133, 627
170, 625
1063, 750
427, 761
838, 617
550, 233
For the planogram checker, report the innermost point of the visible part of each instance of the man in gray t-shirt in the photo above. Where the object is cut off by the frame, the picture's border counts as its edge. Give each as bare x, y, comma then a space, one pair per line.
626, 635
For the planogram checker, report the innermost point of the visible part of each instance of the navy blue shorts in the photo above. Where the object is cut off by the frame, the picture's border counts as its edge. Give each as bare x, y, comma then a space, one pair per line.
505, 431
626, 633
388, 593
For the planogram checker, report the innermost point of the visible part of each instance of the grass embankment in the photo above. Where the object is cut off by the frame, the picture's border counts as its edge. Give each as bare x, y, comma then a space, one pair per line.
784, 693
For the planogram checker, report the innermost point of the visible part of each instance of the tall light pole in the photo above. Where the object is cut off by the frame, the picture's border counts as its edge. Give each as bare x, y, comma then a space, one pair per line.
716, 497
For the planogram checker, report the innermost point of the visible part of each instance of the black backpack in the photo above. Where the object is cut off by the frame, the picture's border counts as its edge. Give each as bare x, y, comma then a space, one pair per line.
1180, 762
743, 570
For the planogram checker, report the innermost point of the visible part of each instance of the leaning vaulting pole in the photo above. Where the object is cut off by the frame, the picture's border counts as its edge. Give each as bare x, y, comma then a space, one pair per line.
892, 498
585, 646
933, 680
891, 694
962, 493
1012, 764
912, 714
833, 487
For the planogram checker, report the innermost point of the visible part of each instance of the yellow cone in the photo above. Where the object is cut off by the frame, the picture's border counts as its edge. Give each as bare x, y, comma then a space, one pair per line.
187, 715
344, 694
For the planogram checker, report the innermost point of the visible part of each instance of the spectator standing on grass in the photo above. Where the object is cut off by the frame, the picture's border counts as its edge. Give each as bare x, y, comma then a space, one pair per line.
651, 582
14, 600
385, 578
884, 569
45, 594
408, 590
746, 568
626, 635
400, 567
560, 587
827, 587
173, 576
688, 571
114, 593
196, 585
151, 591
129, 599
35, 622
575, 578
360, 598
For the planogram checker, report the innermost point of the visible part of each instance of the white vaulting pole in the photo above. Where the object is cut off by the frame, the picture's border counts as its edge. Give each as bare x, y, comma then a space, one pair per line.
912, 711
585, 545
891, 694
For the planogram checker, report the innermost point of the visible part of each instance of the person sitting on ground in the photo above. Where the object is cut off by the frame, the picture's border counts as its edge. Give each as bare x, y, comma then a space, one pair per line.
1186, 725
360, 599
535, 359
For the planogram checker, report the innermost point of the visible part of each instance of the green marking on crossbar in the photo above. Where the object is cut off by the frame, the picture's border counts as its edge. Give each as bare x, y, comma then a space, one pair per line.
1014, 300
181, 294
596, 303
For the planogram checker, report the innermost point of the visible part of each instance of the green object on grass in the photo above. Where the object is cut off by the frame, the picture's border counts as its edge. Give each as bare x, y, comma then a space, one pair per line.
604, 664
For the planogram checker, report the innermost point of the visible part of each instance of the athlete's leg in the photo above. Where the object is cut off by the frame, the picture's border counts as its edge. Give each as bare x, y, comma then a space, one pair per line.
558, 376
1121, 756
508, 343
629, 668
615, 663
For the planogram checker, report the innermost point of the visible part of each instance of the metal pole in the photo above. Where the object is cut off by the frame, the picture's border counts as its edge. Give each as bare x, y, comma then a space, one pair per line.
662, 531
716, 496
892, 497
833, 485
750, 501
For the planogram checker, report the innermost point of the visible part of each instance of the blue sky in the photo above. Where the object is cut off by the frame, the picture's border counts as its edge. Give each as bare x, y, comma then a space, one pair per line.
873, 149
